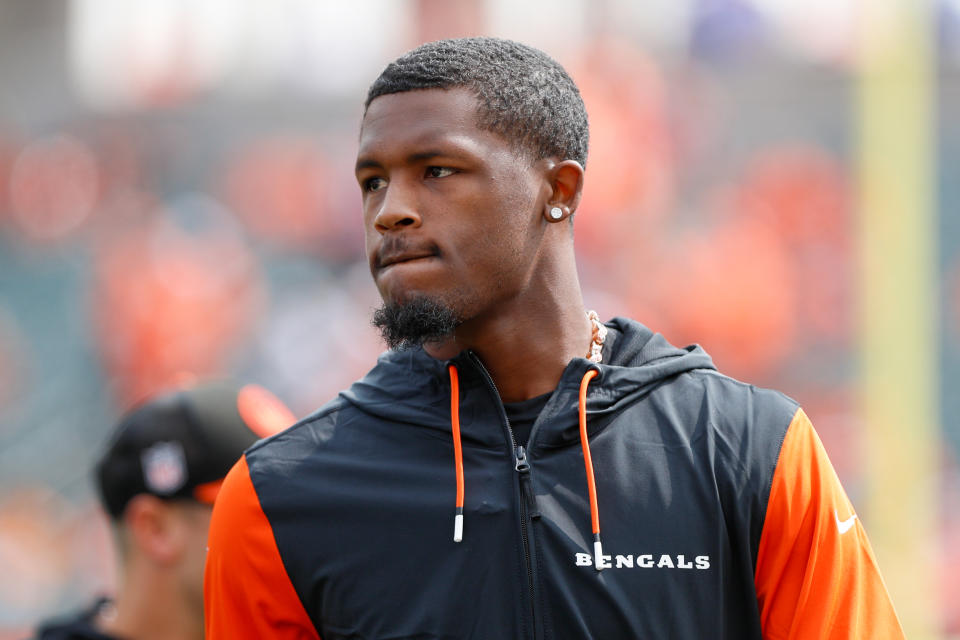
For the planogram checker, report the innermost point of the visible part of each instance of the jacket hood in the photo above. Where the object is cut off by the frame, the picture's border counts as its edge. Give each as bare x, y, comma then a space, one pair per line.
635, 353
636, 361
412, 387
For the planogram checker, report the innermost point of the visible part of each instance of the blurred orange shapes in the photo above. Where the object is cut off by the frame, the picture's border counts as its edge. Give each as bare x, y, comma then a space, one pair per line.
54, 186
630, 169
9, 150
803, 192
169, 301
279, 188
728, 288
124, 155
262, 411
765, 274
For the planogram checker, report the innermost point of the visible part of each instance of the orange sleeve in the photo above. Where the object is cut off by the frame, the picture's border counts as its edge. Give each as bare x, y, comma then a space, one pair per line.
816, 575
247, 593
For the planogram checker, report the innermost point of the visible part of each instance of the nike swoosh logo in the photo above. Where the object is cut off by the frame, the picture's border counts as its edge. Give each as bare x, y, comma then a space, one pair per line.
845, 525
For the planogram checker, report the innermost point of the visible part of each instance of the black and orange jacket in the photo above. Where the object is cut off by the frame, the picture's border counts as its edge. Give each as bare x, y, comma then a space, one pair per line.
720, 514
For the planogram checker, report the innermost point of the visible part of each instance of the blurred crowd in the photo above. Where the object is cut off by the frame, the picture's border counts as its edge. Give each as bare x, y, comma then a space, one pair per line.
176, 195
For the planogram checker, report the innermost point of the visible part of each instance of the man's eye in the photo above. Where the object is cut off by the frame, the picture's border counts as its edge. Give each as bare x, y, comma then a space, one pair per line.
374, 184
439, 172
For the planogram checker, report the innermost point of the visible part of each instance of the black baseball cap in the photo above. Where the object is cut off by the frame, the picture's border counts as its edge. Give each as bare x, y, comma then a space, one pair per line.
181, 444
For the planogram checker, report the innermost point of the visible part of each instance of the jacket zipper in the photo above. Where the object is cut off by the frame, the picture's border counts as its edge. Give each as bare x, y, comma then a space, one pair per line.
526, 486
527, 503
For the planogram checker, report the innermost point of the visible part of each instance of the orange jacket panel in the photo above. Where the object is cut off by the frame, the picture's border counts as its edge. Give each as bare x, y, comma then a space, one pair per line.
816, 576
247, 594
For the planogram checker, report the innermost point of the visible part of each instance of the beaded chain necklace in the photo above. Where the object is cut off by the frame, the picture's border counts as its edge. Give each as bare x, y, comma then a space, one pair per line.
595, 354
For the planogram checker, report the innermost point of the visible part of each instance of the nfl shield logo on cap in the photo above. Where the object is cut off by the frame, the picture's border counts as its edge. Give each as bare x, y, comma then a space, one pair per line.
164, 467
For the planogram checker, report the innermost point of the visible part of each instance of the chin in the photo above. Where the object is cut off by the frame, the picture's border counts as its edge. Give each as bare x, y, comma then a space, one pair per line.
413, 279
417, 321
403, 296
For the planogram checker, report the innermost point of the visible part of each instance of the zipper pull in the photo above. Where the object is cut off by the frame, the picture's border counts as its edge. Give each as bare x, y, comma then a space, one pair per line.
522, 466
526, 488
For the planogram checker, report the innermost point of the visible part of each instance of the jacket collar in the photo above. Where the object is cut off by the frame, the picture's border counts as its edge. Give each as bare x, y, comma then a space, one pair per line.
412, 388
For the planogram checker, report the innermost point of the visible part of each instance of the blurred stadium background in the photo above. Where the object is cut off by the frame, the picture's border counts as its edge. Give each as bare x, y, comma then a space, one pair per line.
776, 180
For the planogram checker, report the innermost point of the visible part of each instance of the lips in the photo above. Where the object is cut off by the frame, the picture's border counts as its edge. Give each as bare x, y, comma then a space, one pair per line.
394, 252
399, 258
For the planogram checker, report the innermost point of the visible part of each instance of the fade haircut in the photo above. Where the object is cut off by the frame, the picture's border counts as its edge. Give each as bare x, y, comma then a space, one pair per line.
524, 95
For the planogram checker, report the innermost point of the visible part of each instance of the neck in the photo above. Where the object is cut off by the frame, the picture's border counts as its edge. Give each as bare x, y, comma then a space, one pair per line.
528, 340
151, 606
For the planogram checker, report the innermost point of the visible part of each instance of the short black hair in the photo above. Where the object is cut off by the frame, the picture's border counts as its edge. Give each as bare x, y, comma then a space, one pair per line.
524, 95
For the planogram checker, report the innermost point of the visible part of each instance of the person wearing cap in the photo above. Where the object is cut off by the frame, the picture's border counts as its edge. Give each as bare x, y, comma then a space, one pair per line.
157, 481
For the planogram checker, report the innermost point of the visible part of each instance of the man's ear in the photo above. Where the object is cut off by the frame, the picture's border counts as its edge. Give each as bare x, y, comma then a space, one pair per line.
566, 182
153, 530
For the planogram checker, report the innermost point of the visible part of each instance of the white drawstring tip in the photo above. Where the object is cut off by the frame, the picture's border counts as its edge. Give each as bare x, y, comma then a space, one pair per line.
458, 527
598, 555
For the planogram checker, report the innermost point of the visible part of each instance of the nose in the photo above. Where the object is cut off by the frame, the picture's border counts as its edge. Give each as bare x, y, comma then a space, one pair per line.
397, 210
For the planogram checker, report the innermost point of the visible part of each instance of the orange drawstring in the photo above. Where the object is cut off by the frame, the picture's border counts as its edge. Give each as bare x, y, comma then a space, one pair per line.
584, 443
457, 450
588, 464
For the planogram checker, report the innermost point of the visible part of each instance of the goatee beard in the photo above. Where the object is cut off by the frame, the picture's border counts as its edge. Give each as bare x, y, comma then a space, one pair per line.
414, 322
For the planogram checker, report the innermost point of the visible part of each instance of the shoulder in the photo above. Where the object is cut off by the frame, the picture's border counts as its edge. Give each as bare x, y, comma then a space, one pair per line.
732, 403
750, 423
687, 379
247, 592
317, 423
403, 388
716, 402
283, 455
741, 426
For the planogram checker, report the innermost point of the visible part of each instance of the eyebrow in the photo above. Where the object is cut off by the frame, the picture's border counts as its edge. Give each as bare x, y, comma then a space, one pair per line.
419, 156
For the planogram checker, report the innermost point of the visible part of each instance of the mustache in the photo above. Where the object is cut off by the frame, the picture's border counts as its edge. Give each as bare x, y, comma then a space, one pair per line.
395, 248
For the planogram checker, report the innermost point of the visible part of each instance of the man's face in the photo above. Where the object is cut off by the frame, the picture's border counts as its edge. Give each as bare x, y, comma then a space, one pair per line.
452, 212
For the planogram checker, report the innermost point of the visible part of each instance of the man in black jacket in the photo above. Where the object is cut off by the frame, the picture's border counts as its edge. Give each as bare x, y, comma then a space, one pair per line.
158, 479
459, 489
